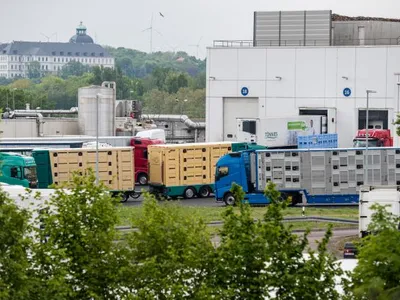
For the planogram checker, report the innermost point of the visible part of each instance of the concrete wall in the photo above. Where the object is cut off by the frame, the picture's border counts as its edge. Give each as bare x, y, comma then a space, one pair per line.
311, 77
375, 33
15, 128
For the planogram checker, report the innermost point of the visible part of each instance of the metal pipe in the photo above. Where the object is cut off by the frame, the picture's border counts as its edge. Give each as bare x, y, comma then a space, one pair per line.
73, 110
97, 138
177, 118
367, 135
38, 116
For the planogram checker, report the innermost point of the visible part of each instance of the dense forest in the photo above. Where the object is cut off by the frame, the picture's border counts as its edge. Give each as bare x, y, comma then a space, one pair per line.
165, 82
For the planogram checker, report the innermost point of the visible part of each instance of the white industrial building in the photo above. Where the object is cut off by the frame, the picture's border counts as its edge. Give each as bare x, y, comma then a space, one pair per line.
245, 80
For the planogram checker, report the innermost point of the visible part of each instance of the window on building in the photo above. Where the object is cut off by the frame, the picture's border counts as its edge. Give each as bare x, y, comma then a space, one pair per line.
55, 68
85, 54
47, 59
14, 51
62, 53
55, 59
90, 60
62, 59
101, 54
77, 53
69, 53
12, 67
53, 53
93, 54
47, 67
58, 59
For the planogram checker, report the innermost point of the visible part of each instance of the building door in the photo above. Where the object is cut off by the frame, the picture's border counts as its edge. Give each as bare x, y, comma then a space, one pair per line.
317, 112
377, 119
237, 108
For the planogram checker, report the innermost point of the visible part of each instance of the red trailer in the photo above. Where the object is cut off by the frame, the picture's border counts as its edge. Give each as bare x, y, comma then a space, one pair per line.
141, 161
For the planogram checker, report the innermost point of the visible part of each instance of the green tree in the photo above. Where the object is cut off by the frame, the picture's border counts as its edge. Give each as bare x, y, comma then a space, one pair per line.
175, 81
15, 244
377, 274
34, 70
74, 68
169, 252
264, 259
79, 258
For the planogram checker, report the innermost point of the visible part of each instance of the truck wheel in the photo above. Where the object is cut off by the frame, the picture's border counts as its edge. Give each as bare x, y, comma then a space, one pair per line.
143, 179
135, 195
125, 197
229, 199
204, 192
189, 193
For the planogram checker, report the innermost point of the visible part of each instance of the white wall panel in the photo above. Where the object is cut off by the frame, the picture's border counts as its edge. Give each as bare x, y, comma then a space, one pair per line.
255, 88
215, 121
331, 77
224, 64
248, 59
281, 62
310, 73
223, 88
370, 71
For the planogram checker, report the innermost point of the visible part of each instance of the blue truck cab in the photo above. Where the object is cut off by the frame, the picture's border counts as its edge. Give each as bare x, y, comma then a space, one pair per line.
237, 168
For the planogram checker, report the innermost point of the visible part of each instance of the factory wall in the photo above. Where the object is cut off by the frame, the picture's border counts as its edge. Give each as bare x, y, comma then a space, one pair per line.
281, 81
18, 128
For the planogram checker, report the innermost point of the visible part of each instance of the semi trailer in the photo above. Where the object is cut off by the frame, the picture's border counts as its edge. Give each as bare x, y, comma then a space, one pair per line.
279, 132
308, 176
116, 172
187, 170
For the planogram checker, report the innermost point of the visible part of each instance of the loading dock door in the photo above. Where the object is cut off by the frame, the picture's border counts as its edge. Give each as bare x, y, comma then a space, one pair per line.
237, 108
378, 119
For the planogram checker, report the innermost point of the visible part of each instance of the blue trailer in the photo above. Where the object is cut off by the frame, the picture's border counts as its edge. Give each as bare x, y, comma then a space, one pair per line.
308, 176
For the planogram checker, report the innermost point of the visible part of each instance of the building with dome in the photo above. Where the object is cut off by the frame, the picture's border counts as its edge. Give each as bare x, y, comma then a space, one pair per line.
17, 57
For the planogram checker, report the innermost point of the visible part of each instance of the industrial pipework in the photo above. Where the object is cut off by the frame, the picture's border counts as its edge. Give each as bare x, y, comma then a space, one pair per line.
176, 118
38, 116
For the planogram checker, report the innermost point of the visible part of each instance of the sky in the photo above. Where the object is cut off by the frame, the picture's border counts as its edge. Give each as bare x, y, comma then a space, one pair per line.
186, 23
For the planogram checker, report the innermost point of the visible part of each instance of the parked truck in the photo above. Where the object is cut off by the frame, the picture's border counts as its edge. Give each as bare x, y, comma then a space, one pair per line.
56, 166
141, 157
18, 169
187, 170
279, 132
388, 196
308, 176
376, 138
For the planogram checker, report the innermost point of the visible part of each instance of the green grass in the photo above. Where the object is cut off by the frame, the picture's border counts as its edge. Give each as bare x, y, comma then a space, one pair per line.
208, 214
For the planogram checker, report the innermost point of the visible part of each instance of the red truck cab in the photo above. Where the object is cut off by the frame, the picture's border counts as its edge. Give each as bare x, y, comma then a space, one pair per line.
140, 157
376, 138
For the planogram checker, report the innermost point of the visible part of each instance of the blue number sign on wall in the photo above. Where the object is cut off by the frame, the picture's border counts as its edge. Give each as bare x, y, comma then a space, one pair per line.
244, 91
347, 92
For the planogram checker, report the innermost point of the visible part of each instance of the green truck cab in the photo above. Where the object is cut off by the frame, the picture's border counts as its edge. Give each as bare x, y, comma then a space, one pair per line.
17, 169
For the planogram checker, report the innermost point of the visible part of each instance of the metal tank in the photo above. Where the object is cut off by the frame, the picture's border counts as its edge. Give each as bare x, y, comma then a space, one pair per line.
87, 98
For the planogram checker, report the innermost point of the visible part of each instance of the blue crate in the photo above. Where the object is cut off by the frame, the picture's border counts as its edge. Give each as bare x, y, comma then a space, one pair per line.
317, 141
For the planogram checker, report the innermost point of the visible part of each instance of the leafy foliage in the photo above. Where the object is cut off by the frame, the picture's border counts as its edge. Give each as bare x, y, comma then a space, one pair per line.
169, 251
79, 259
14, 249
377, 275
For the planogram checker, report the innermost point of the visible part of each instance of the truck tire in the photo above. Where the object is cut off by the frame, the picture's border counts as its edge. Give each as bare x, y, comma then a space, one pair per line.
125, 197
229, 199
204, 192
135, 195
143, 179
189, 193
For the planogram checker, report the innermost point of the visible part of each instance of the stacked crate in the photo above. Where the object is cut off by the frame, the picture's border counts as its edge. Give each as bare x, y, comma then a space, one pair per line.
185, 164
115, 165
325, 172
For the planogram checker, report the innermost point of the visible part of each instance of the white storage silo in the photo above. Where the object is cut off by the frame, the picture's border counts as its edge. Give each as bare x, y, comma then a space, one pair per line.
106, 109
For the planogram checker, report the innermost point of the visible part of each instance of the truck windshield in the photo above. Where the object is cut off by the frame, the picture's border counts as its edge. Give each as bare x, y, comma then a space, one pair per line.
30, 173
362, 143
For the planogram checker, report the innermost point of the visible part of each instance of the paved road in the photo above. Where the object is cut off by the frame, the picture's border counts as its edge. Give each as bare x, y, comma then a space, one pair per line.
188, 202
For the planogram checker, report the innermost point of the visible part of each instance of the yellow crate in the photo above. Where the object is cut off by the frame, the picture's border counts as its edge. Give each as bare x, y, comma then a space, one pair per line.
185, 164
116, 165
